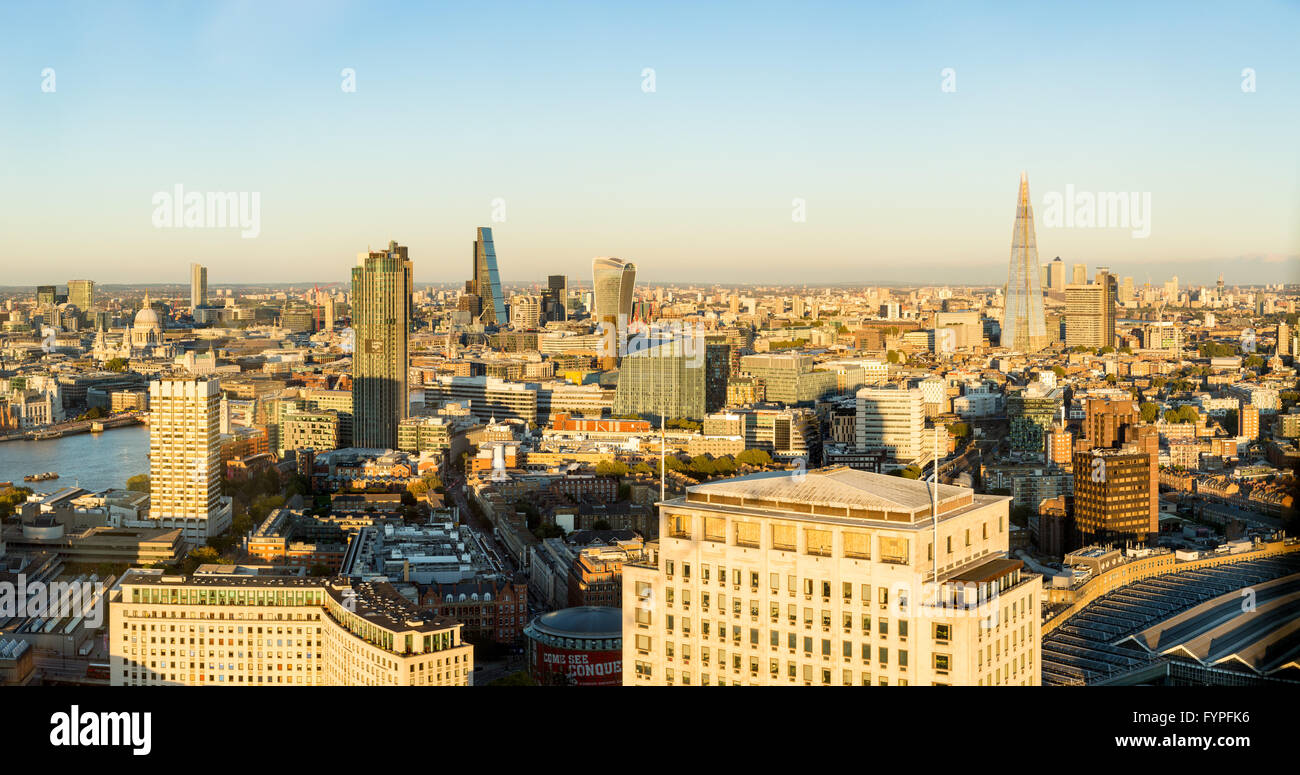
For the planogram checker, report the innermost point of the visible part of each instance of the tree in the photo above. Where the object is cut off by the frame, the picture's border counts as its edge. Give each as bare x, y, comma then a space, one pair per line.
892, 356
319, 570
1150, 411
642, 468
611, 468
116, 364
139, 483
754, 457
958, 430
600, 524
1059, 372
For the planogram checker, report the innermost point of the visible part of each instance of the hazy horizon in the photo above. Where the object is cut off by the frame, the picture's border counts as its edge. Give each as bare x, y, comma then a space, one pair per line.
898, 135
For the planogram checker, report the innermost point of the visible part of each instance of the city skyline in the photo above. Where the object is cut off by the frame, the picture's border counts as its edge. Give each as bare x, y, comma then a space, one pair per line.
650, 166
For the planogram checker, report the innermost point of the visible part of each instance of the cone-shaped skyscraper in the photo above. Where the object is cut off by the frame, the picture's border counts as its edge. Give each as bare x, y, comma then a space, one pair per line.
1023, 325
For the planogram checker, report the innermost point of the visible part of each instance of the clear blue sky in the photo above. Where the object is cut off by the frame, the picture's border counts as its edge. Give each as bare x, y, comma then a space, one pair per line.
541, 104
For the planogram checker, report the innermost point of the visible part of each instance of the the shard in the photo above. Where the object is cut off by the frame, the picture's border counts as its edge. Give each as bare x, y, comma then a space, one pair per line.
1024, 327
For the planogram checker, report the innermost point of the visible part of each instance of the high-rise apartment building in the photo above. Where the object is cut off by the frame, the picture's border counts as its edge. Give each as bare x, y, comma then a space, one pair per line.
486, 282
81, 294
381, 315
46, 295
198, 286
891, 420
1112, 494
829, 579
1248, 422
1024, 326
612, 281
1090, 314
185, 458
1105, 419
240, 630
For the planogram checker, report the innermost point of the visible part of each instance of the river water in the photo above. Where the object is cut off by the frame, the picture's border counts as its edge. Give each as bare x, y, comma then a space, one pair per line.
94, 461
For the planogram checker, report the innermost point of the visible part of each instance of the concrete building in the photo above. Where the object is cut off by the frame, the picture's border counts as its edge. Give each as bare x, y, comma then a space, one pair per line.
830, 580
185, 459
890, 420
241, 630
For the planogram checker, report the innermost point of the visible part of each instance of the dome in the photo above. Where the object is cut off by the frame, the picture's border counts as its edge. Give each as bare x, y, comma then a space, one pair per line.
585, 621
146, 317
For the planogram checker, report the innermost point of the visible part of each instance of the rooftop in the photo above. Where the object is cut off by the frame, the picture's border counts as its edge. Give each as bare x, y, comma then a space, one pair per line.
837, 491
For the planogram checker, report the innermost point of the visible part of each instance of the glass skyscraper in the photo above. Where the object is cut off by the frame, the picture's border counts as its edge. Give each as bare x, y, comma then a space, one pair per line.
612, 281
381, 317
1024, 327
486, 282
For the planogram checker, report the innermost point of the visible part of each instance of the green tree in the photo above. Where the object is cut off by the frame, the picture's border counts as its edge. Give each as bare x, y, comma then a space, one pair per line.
1150, 411
611, 468
754, 457
139, 483
116, 364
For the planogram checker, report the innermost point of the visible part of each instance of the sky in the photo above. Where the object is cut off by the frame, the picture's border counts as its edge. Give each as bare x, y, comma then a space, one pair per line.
899, 134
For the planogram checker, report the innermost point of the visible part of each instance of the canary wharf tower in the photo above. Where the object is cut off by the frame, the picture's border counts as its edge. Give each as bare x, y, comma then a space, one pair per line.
1024, 327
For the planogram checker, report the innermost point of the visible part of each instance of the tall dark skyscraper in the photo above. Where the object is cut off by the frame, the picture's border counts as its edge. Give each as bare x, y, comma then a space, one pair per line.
486, 282
557, 294
1024, 327
381, 319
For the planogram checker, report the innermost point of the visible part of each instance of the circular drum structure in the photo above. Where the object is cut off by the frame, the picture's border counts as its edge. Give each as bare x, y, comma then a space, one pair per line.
577, 647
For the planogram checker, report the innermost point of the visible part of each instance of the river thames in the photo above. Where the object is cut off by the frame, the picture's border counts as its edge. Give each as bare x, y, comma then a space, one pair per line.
94, 461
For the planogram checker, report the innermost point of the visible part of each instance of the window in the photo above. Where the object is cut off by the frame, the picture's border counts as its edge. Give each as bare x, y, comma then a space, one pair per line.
941, 663
783, 538
715, 529
893, 550
942, 633
679, 526
847, 590
747, 534
857, 545
819, 542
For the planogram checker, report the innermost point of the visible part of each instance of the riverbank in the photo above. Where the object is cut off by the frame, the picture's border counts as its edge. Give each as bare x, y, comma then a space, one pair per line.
95, 461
